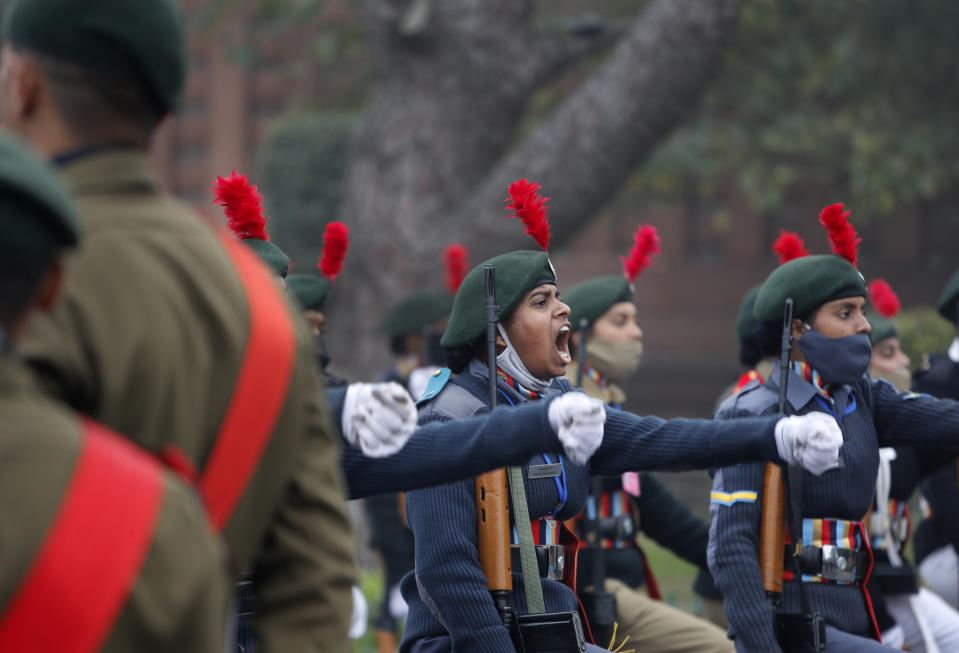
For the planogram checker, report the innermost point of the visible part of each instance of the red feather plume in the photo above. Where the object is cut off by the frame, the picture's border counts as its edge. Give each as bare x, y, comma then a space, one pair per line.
789, 246
530, 207
883, 298
645, 246
336, 240
454, 256
243, 206
842, 235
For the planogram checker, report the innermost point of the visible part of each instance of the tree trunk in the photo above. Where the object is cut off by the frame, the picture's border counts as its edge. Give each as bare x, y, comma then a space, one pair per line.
434, 152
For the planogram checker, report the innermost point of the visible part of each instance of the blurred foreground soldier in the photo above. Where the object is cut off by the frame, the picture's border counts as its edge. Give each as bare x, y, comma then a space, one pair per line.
103, 550
937, 537
620, 507
171, 332
458, 602
906, 613
821, 586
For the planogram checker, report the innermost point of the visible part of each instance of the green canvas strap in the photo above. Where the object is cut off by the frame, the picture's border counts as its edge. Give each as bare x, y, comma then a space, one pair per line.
527, 551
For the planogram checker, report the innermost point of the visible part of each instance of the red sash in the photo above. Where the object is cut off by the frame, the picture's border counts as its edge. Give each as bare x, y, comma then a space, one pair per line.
260, 390
84, 570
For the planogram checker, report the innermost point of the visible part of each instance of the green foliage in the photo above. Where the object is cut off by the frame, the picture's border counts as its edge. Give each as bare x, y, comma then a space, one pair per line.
853, 100
923, 331
302, 162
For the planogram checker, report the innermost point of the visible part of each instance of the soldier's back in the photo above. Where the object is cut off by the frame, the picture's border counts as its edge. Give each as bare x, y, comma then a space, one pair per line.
150, 339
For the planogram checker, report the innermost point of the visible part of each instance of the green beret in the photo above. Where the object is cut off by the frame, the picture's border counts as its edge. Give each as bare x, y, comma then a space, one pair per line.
38, 216
310, 290
811, 281
516, 274
416, 311
128, 39
746, 323
882, 328
270, 254
590, 299
948, 299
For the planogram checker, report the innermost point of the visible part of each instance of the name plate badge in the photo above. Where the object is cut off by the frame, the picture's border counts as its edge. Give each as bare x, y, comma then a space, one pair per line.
545, 471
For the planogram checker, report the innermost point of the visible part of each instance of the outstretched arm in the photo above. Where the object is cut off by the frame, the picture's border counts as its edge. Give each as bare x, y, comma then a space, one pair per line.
634, 443
904, 419
444, 451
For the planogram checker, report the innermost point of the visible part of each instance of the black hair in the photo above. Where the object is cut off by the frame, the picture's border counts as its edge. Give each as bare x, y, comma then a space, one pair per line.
99, 107
750, 353
458, 358
770, 334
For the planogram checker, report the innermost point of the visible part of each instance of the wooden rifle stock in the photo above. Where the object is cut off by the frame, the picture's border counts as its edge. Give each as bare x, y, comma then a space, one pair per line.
772, 531
772, 527
492, 488
493, 529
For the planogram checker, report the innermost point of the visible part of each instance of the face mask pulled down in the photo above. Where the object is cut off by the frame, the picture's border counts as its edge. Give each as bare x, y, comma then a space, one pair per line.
839, 361
617, 361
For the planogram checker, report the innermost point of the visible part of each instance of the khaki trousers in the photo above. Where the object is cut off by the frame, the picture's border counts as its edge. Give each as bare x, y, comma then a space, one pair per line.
654, 627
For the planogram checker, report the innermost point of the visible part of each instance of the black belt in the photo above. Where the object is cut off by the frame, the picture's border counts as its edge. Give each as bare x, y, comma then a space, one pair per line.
831, 563
551, 560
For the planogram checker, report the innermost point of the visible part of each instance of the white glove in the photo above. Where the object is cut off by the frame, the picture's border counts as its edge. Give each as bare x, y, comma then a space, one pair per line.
360, 614
811, 441
894, 637
578, 421
378, 418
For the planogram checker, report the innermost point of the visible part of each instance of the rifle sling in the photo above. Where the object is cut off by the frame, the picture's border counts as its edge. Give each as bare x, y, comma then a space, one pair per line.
535, 604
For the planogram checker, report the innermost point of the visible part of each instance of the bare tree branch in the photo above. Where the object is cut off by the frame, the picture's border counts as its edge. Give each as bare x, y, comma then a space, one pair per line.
594, 140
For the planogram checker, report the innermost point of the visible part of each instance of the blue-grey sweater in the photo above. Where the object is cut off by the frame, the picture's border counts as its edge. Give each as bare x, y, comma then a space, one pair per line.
447, 593
882, 417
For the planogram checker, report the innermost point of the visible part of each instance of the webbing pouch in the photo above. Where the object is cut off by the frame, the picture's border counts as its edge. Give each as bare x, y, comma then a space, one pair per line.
800, 633
553, 632
804, 632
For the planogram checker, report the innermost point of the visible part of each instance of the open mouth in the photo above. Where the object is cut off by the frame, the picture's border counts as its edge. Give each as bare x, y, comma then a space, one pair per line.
562, 344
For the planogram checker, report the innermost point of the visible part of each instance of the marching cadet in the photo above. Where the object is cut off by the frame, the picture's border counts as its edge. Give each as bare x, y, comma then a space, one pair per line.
633, 502
937, 536
830, 351
103, 550
170, 331
450, 605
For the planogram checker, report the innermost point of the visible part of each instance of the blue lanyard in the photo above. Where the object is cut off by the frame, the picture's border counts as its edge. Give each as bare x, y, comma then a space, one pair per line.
562, 486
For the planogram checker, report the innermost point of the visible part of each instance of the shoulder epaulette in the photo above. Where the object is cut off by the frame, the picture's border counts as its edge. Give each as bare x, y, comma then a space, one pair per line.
437, 382
748, 401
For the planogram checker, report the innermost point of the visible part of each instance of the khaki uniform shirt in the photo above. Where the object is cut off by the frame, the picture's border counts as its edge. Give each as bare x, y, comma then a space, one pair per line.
179, 601
148, 339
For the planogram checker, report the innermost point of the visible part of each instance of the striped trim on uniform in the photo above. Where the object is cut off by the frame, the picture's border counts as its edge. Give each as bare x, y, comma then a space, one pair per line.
819, 532
730, 498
